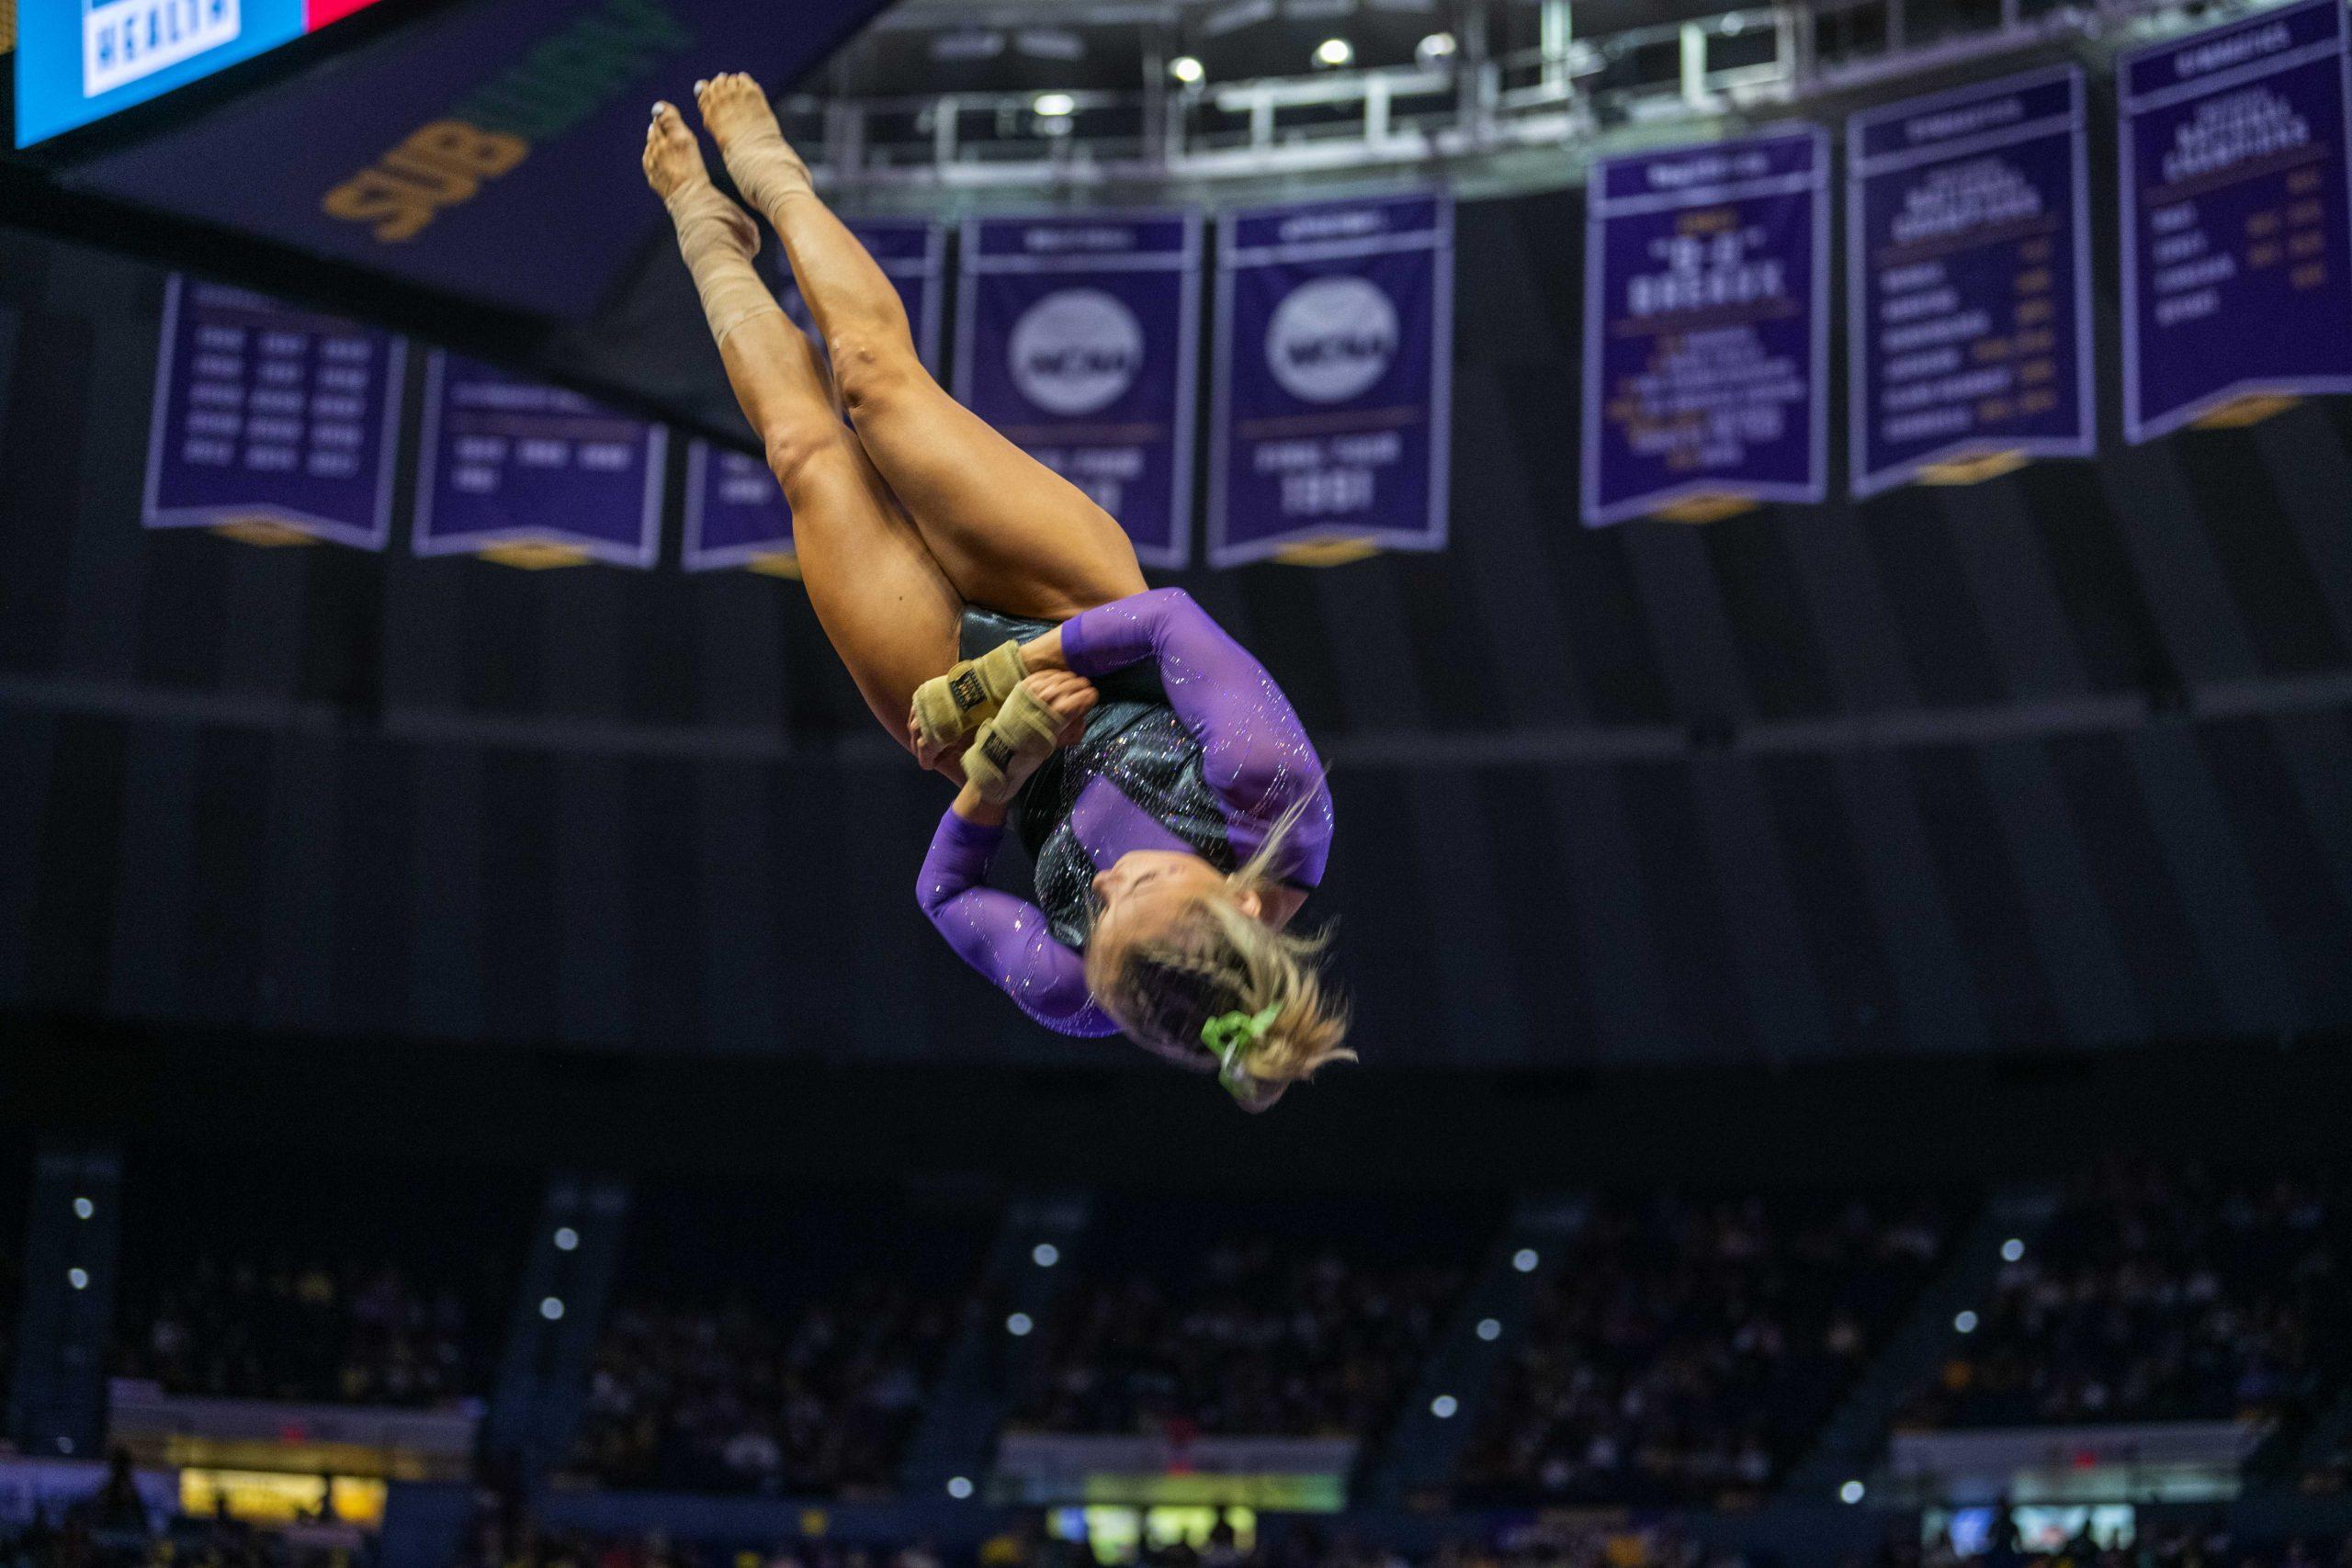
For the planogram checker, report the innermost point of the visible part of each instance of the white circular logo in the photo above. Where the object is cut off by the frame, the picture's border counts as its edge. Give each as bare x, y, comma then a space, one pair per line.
1077, 350
1331, 339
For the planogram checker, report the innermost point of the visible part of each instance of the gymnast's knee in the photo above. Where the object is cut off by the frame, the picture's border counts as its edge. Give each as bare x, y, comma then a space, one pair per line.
869, 366
798, 450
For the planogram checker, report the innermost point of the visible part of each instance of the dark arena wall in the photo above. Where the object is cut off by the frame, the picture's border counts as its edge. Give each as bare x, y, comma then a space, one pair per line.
2057, 761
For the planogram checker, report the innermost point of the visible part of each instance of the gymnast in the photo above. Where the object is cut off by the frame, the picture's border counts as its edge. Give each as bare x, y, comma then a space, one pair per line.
1176, 813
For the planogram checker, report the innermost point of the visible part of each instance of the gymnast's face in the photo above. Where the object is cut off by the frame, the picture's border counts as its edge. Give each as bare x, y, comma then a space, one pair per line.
1145, 891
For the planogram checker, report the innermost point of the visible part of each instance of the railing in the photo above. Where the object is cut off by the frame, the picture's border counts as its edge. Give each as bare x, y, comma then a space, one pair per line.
1497, 121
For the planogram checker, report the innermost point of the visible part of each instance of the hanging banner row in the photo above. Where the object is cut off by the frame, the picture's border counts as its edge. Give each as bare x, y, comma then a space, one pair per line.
1078, 339
1706, 351
1968, 330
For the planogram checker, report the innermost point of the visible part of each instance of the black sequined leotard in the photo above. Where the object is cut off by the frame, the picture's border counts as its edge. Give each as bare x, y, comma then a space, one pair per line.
1192, 746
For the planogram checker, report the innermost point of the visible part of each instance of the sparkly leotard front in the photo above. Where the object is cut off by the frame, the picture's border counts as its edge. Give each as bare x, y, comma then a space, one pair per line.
1206, 758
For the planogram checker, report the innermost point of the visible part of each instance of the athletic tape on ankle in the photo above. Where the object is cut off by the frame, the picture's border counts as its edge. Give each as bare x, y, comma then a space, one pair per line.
765, 169
729, 286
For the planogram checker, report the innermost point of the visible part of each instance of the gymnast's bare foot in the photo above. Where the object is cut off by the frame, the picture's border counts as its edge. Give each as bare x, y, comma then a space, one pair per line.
673, 167
735, 111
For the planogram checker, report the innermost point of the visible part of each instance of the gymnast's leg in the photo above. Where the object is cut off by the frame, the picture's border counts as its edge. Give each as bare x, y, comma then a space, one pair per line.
1010, 533
888, 608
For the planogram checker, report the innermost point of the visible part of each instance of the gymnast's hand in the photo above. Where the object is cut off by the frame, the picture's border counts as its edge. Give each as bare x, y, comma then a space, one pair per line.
1067, 699
1046, 712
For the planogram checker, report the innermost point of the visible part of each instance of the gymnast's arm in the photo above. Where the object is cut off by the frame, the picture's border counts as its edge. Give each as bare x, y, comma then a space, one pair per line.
1254, 750
1005, 938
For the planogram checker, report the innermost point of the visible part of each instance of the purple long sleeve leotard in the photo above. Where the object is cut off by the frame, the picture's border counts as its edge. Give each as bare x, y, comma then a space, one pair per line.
1207, 762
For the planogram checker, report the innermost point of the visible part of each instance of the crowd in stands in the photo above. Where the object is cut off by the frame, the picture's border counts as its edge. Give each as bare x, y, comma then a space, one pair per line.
1617, 1546
1259, 1335
1685, 1351
1558, 1545
357, 1283
308, 1330
2205, 1544
2160, 1294
116, 1527
813, 1400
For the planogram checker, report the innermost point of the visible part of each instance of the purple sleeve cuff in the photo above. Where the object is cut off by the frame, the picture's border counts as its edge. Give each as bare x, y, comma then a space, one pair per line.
1078, 646
965, 834
959, 857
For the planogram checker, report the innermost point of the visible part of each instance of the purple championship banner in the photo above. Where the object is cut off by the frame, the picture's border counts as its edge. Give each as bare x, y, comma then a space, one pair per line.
271, 423
532, 474
1968, 283
1334, 379
1707, 329
735, 513
1077, 337
2237, 260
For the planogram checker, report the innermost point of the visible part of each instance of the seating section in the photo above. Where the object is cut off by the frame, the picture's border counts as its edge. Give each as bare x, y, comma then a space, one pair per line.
1265, 1320
1689, 1348
759, 1346
2161, 1293
356, 1285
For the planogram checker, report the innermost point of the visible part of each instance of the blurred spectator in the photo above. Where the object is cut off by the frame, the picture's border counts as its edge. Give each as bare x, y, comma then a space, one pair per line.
815, 1401
1688, 1350
347, 1283
2159, 1294
357, 1334
1250, 1337
1564, 1546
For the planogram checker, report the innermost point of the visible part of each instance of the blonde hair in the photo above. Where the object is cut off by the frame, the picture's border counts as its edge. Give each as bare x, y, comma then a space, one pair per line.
1217, 958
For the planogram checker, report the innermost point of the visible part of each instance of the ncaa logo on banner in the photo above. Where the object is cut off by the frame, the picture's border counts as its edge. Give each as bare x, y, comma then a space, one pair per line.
1331, 339
1075, 351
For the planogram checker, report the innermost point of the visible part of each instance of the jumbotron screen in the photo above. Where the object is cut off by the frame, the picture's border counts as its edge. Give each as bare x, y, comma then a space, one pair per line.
79, 61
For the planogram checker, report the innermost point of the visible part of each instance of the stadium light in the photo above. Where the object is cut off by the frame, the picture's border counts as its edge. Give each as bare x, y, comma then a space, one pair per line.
959, 1487
78, 1278
1334, 52
1186, 69
1053, 105
84, 1208
551, 1309
1852, 1492
1490, 1329
2012, 1249
1443, 1406
1045, 1255
1436, 46
565, 1239
1965, 1323
1525, 1260
1019, 1325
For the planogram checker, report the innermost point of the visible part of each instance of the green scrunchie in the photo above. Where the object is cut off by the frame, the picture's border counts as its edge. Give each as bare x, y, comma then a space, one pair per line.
1229, 1037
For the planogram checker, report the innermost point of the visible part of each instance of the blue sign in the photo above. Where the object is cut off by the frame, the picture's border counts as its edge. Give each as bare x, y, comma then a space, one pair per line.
736, 514
531, 474
1077, 338
1335, 377
272, 420
2237, 264
82, 60
1706, 328
491, 151
1968, 282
